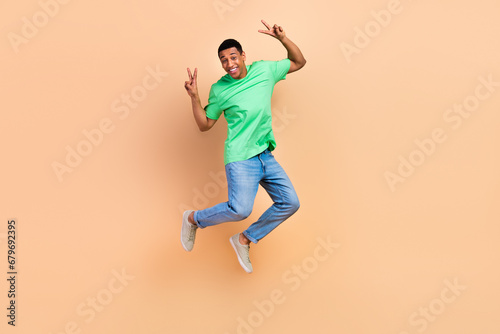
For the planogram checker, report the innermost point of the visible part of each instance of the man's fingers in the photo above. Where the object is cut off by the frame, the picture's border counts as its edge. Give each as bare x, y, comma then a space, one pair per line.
195, 74
274, 31
267, 25
189, 73
267, 32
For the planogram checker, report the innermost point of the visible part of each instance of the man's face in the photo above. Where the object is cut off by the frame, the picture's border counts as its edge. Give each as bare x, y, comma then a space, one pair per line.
233, 62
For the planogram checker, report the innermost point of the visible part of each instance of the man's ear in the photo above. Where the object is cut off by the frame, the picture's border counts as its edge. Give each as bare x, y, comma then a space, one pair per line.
243, 55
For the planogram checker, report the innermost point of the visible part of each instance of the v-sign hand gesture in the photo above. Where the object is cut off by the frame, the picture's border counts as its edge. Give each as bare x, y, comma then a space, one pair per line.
276, 31
191, 85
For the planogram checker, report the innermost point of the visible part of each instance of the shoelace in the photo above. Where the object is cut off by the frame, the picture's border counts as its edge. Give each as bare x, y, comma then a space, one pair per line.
247, 253
192, 233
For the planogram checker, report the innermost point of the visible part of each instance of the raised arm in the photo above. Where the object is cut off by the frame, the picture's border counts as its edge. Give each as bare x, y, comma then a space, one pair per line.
204, 123
297, 60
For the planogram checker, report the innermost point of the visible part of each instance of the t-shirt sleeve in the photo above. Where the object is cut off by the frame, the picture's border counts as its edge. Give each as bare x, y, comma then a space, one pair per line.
212, 109
280, 69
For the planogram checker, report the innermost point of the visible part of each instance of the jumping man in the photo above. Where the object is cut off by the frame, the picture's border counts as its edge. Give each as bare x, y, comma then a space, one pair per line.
244, 95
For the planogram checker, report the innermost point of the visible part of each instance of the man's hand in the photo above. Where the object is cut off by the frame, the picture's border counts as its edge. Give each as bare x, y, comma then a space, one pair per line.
297, 60
276, 31
191, 85
204, 123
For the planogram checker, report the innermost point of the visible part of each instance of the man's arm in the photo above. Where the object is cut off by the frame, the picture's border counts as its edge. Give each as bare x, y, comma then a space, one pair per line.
204, 123
297, 60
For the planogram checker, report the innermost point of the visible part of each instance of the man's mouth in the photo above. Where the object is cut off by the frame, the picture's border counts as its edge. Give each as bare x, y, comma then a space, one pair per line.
233, 70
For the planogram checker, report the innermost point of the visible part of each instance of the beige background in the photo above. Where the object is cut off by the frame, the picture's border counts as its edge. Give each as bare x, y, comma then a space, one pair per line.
342, 126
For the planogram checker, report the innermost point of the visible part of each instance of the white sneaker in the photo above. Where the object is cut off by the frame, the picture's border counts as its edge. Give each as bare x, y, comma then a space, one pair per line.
188, 231
241, 252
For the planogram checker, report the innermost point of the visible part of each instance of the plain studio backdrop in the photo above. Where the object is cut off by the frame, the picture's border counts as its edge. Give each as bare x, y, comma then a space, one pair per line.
389, 135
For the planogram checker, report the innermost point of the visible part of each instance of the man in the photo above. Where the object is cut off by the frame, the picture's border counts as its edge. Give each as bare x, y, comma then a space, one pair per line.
244, 95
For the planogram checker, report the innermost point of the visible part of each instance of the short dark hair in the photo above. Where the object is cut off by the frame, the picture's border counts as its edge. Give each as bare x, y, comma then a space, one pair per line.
230, 43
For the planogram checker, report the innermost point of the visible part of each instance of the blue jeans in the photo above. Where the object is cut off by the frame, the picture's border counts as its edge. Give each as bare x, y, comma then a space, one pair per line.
243, 179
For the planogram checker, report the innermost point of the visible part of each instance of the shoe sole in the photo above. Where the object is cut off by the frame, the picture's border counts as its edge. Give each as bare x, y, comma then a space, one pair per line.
238, 256
185, 219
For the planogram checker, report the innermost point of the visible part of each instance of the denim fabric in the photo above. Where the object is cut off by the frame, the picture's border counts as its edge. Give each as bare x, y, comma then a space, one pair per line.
243, 179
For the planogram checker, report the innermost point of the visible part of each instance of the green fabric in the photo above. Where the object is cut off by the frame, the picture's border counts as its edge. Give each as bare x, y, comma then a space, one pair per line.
246, 104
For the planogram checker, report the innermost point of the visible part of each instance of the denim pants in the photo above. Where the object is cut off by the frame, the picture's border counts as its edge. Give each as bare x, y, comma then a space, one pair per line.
243, 179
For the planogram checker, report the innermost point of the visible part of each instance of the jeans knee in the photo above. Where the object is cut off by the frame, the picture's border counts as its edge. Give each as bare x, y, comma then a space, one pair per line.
241, 213
293, 206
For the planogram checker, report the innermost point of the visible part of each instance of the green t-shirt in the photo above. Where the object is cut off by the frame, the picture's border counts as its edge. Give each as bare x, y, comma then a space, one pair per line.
247, 108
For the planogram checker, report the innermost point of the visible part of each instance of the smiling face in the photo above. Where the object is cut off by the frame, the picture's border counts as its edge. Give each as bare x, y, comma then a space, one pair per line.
233, 62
